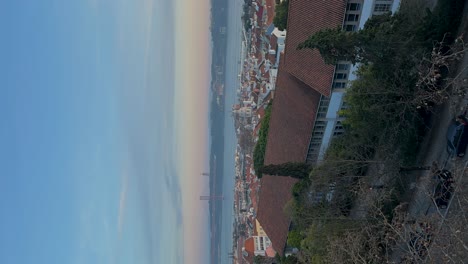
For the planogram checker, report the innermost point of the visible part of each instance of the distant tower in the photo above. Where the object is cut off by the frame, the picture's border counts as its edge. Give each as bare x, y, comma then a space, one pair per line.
211, 197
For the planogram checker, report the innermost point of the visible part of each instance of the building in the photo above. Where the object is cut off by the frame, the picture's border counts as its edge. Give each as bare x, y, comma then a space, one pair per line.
306, 18
288, 138
257, 245
262, 244
308, 98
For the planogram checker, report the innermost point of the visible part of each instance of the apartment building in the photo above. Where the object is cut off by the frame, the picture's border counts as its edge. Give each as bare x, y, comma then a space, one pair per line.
328, 120
308, 99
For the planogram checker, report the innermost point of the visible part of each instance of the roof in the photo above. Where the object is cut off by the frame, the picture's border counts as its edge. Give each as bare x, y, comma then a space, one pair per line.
273, 42
291, 123
306, 17
249, 248
270, 252
270, 7
249, 245
292, 119
260, 15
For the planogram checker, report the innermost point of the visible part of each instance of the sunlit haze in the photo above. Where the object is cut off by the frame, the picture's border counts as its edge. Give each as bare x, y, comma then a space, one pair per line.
104, 132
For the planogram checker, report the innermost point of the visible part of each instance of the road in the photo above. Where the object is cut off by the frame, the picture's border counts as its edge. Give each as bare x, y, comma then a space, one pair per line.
433, 149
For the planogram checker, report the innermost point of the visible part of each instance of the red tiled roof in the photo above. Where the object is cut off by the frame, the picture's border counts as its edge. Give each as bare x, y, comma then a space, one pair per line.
249, 248
270, 252
262, 68
292, 119
270, 5
273, 42
261, 112
291, 124
260, 15
266, 75
257, 128
305, 18
249, 245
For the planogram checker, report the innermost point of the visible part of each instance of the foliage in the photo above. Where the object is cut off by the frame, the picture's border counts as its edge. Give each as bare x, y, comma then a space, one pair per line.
260, 147
294, 238
388, 105
293, 169
263, 260
445, 18
382, 39
334, 45
286, 260
281, 15
300, 187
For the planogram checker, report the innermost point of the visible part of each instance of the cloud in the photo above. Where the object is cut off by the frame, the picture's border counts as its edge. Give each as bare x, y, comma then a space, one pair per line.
122, 201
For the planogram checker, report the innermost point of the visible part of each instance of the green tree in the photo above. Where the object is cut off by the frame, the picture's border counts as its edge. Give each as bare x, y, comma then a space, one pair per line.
382, 38
292, 169
263, 260
334, 45
295, 238
260, 147
281, 15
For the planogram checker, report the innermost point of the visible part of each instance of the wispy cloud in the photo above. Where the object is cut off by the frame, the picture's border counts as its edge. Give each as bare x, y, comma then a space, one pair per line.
122, 200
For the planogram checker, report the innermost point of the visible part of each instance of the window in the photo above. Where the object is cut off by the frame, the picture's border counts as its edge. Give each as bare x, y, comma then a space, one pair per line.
352, 17
321, 115
382, 7
319, 133
350, 28
337, 133
340, 76
339, 85
320, 128
342, 67
353, 7
316, 140
320, 123
317, 137
323, 109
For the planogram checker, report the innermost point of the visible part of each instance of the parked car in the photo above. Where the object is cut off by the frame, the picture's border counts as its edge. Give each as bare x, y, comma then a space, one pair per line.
444, 175
457, 136
442, 194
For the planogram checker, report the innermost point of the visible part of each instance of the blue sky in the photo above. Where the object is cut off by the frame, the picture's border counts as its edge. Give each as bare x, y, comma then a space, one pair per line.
91, 133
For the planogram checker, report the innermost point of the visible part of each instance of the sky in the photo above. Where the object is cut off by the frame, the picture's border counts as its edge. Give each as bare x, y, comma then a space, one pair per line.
104, 131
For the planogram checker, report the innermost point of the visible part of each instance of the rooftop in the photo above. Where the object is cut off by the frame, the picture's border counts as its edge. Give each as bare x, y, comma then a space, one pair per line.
304, 19
288, 141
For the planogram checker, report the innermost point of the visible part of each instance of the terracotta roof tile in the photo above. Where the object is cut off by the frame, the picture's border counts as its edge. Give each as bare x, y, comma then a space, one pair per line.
291, 124
260, 15
270, 5
305, 18
270, 252
292, 119
249, 245
249, 248
273, 42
